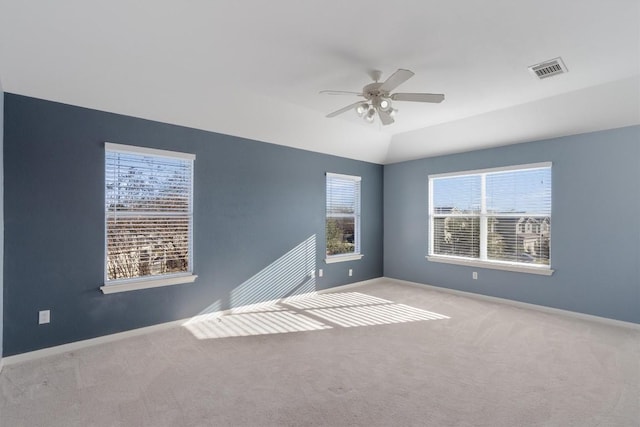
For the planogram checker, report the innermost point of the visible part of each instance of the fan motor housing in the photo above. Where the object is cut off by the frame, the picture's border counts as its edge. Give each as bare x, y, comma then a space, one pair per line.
372, 90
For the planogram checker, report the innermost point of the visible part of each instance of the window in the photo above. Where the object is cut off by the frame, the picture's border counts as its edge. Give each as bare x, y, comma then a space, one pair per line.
343, 218
495, 218
148, 218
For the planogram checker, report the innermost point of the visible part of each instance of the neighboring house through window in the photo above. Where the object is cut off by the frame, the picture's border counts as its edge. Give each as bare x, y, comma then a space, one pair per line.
342, 217
496, 218
148, 218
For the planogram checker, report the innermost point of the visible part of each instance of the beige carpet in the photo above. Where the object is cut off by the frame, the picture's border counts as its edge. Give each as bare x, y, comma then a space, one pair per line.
377, 355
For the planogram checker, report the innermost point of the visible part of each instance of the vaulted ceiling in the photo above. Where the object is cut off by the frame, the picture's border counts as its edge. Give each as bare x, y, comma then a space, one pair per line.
254, 68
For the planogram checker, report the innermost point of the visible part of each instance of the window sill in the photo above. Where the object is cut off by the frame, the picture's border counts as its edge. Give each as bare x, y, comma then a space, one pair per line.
542, 270
135, 285
343, 258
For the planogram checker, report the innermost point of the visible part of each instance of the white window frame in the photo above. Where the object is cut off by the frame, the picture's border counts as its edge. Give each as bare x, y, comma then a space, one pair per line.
356, 215
483, 261
124, 285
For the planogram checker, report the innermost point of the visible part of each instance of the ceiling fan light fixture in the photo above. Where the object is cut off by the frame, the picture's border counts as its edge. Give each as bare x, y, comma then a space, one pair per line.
370, 114
393, 112
362, 108
385, 105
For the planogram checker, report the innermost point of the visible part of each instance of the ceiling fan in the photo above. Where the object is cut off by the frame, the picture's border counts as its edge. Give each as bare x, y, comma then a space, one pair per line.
377, 97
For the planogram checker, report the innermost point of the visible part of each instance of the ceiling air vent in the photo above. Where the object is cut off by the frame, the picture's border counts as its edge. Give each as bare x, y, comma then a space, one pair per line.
549, 68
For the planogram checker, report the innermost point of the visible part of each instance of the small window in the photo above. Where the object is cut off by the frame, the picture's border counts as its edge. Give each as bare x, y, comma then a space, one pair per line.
496, 218
343, 218
148, 217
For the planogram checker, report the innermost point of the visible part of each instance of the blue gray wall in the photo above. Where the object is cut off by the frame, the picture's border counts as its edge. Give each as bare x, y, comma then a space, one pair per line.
1, 216
595, 238
259, 223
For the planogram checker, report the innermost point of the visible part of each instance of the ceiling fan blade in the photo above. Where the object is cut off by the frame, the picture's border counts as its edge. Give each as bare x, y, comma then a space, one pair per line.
418, 97
340, 92
395, 80
345, 109
385, 117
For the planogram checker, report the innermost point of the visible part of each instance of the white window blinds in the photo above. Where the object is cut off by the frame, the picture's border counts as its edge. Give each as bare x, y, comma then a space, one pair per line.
148, 212
456, 216
499, 215
343, 214
519, 215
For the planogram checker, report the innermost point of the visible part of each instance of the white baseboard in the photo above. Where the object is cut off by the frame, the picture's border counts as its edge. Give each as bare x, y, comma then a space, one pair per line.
542, 308
77, 345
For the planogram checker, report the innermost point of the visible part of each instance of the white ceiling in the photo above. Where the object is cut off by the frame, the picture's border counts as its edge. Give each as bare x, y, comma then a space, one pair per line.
254, 68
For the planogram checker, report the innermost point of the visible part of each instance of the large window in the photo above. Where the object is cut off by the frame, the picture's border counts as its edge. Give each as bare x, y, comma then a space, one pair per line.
343, 217
148, 217
497, 218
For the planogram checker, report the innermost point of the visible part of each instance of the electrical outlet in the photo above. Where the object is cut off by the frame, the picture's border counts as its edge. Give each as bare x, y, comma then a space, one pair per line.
44, 316
350, 272
475, 275
320, 272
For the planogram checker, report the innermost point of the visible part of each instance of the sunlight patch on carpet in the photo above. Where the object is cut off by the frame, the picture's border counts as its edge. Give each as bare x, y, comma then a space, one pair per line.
302, 314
